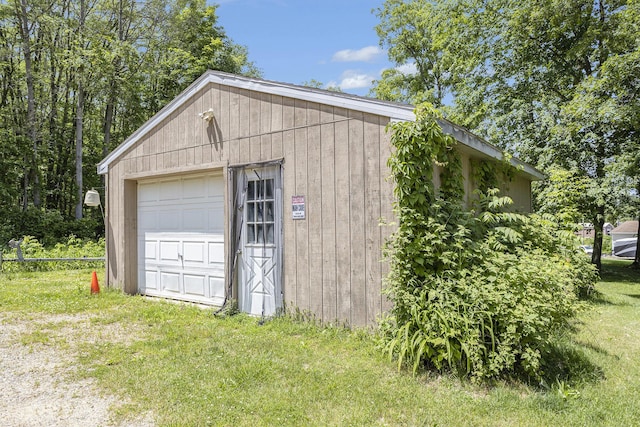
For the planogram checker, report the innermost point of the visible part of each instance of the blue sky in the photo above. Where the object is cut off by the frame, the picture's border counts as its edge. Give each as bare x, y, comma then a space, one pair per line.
295, 41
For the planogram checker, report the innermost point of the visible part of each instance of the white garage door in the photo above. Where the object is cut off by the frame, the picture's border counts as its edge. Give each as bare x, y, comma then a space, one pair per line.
180, 238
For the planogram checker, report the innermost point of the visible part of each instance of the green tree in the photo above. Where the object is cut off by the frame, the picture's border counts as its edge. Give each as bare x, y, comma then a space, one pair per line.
430, 62
565, 194
532, 76
77, 78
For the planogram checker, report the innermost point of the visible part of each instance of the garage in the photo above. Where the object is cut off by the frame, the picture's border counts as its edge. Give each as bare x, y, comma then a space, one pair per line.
181, 238
268, 196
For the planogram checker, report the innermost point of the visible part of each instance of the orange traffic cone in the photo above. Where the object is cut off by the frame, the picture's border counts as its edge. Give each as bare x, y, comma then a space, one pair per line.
95, 288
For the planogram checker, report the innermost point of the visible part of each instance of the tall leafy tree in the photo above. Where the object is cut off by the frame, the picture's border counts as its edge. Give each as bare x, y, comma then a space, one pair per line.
76, 78
533, 78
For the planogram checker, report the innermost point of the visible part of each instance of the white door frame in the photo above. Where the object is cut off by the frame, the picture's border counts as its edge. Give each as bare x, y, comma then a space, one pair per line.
260, 242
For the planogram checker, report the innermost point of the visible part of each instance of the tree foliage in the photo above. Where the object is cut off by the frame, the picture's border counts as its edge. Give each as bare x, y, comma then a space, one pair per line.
555, 81
78, 78
478, 292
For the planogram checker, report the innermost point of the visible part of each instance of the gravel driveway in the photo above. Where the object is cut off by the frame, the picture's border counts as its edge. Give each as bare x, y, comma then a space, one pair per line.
37, 384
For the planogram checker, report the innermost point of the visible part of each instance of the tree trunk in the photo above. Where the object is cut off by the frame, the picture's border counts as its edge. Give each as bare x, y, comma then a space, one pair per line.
598, 222
32, 169
108, 120
79, 117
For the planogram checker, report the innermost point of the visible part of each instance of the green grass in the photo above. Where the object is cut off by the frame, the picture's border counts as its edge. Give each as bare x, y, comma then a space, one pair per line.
189, 367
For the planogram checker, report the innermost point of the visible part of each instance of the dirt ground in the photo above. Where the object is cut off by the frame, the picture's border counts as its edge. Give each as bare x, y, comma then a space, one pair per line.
37, 382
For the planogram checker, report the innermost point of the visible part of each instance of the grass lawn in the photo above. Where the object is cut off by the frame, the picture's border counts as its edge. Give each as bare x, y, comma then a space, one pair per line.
187, 367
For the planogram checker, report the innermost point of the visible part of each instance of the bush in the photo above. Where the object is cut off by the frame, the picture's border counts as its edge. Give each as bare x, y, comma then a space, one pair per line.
476, 292
47, 225
73, 247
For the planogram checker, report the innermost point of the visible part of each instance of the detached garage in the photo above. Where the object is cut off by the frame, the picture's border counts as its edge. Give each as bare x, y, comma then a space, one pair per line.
265, 193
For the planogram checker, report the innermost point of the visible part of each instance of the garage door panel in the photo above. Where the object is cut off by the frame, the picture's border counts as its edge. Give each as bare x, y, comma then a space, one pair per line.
169, 251
195, 285
147, 193
194, 252
151, 280
169, 220
181, 238
216, 288
193, 188
150, 250
215, 188
216, 252
170, 282
147, 220
170, 190
195, 219
216, 269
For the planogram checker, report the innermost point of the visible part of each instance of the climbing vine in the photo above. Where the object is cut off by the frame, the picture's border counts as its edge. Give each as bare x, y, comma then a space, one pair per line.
480, 293
487, 174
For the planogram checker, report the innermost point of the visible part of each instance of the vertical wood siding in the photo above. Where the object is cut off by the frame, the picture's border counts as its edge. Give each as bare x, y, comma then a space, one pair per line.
336, 158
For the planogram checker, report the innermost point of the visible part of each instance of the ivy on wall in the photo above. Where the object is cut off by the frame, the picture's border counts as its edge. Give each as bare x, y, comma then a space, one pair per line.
478, 292
489, 174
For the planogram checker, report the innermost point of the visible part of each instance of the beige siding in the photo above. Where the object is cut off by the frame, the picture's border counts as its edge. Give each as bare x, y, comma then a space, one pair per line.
519, 189
334, 157
314, 212
328, 213
342, 233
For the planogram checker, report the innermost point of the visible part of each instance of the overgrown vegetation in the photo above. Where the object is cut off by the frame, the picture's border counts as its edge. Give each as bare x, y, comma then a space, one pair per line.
72, 247
49, 226
478, 292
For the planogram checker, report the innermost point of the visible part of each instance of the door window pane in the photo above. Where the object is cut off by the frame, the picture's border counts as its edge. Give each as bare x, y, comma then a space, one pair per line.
259, 233
268, 211
251, 235
259, 185
269, 233
260, 207
269, 188
250, 212
250, 190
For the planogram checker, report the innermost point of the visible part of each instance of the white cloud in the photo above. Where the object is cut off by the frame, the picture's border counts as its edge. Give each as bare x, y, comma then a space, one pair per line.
352, 79
409, 68
366, 54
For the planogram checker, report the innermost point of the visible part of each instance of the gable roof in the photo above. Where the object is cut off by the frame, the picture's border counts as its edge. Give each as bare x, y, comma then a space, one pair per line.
395, 111
626, 227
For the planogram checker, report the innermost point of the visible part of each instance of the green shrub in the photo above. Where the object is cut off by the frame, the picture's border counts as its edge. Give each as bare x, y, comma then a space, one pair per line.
476, 292
47, 225
73, 247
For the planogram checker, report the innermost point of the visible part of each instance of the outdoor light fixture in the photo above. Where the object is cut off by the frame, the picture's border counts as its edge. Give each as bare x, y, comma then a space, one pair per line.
207, 115
92, 198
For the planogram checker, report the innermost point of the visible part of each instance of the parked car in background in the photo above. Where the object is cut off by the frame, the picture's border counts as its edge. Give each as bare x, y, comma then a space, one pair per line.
625, 248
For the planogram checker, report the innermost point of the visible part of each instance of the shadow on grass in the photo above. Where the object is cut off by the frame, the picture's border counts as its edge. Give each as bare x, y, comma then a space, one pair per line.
568, 362
619, 271
603, 300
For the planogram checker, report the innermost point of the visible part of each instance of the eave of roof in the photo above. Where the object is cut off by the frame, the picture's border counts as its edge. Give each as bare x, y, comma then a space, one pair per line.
395, 111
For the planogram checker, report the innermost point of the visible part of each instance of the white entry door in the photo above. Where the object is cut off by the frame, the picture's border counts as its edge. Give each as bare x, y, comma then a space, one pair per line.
260, 241
181, 238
